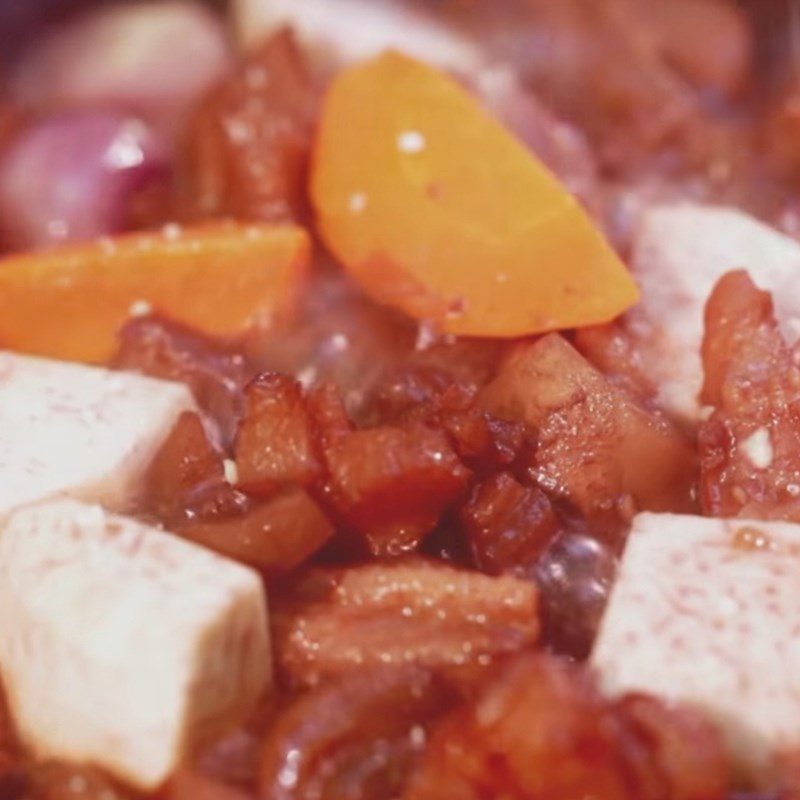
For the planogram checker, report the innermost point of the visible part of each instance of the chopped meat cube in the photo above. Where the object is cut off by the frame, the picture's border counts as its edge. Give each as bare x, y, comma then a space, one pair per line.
355, 737
158, 644
612, 349
187, 489
393, 484
246, 149
706, 611
679, 254
750, 445
597, 448
541, 729
77, 430
181, 479
508, 525
412, 611
274, 536
275, 442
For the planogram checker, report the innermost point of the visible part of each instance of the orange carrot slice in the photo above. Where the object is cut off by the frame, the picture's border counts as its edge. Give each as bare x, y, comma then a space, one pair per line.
436, 209
69, 302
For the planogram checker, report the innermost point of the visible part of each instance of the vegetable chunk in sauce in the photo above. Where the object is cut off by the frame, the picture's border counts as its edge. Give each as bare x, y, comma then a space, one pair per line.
163, 643
705, 611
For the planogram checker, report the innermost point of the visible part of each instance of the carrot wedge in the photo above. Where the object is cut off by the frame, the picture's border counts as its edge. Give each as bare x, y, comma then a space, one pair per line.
69, 302
436, 209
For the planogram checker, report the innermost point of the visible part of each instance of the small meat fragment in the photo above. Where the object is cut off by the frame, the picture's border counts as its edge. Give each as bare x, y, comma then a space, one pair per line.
246, 150
274, 536
188, 784
597, 65
187, 490
750, 446
354, 30
541, 729
612, 349
706, 611
709, 42
166, 349
392, 484
679, 253
122, 645
182, 479
407, 612
77, 430
508, 525
275, 443
355, 738
484, 443
597, 447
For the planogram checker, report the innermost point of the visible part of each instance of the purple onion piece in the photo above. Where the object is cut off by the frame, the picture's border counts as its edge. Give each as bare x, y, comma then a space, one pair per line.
72, 176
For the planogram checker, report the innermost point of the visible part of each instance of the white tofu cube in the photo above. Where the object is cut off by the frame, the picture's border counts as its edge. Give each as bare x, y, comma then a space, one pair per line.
679, 253
83, 431
353, 30
123, 645
707, 611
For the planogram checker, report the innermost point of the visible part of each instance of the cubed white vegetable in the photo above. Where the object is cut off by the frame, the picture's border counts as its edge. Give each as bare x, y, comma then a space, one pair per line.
357, 29
679, 253
707, 611
83, 431
123, 645
155, 58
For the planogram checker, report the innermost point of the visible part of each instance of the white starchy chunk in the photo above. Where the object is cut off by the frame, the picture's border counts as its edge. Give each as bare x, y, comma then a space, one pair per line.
78, 430
123, 645
679, 253
155, 58
707, 611
357, 29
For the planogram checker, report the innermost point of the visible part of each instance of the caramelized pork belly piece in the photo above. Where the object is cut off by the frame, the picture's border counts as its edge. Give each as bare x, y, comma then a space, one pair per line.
597, 447
246, 148
276, 440
706, 611
191, 489
750, 445
412, 611
356, 736
541, 728
121, 644
77, 430
679, 253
